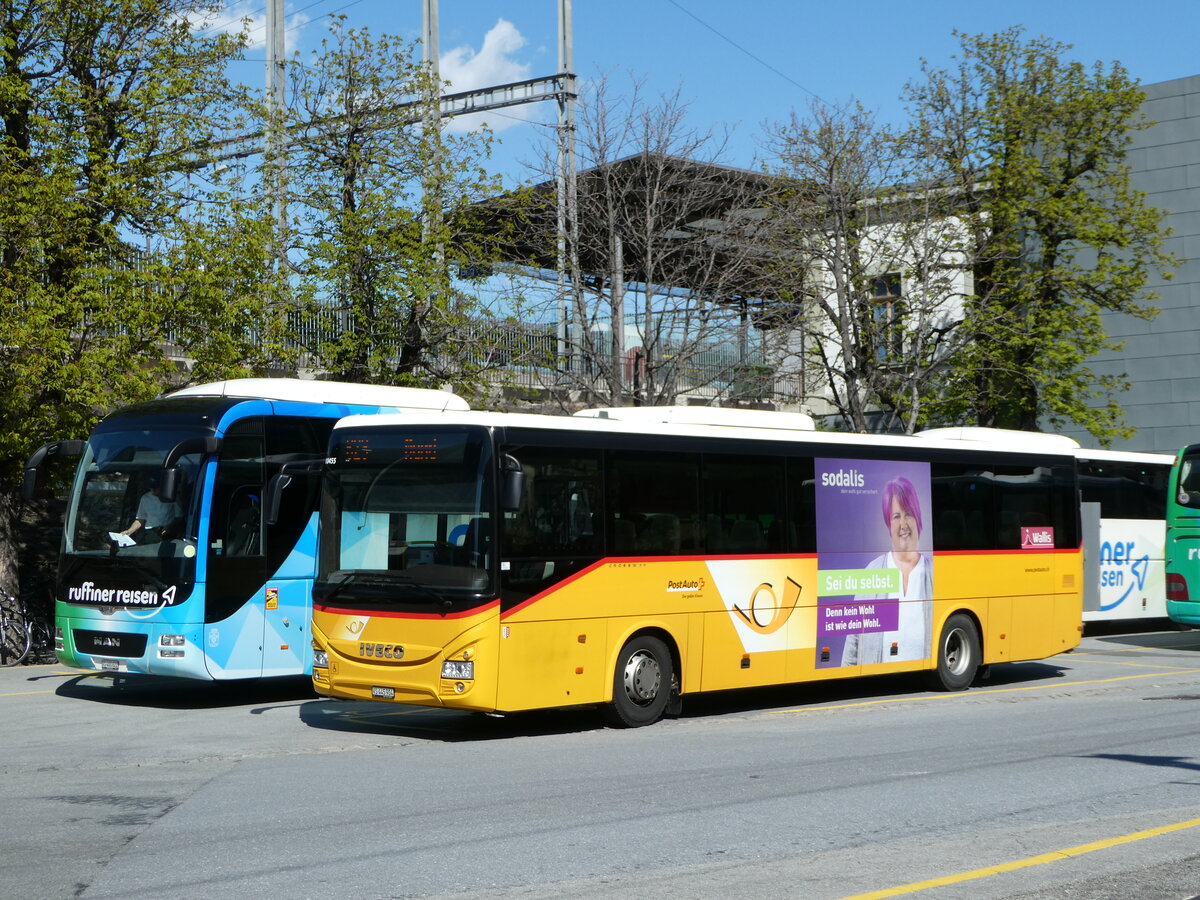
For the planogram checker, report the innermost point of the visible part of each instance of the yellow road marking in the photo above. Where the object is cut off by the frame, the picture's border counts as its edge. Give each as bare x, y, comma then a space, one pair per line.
977, 691
1137, 665
1079, 652
1106, 651
1039, 860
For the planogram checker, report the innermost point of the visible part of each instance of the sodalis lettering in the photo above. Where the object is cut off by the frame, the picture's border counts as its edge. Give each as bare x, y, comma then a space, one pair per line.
843, 478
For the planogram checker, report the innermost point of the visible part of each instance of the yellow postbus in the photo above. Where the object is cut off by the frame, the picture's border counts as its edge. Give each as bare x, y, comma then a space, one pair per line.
629, 557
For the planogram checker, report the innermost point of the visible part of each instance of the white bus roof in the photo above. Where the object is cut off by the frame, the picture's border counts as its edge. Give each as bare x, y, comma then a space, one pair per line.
1134, 456
595, 424
306, 391
1033, 440
1039, 440
704, 415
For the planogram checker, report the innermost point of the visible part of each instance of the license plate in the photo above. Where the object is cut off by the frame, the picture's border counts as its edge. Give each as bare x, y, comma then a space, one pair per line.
109, 665
384, 693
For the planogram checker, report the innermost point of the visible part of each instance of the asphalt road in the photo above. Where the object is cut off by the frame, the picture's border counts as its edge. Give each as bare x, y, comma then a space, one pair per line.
1078, 777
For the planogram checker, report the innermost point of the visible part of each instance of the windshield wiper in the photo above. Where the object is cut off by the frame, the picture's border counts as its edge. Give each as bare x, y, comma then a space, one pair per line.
409, 581
348, 576
383, 579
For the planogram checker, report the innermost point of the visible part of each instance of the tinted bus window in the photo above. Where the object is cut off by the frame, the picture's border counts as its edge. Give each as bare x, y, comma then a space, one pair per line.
802, 506
743, 504
560, 513
1125, 490
654, 503
963, 506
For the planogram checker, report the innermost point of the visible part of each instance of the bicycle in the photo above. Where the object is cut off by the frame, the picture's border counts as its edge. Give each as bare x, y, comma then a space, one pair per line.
16, 630
23, 634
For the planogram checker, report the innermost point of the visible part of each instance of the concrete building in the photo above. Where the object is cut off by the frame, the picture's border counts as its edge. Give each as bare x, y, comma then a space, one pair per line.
1161, 357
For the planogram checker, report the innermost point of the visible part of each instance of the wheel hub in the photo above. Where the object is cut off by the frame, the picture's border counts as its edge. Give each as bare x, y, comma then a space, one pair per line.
642, 678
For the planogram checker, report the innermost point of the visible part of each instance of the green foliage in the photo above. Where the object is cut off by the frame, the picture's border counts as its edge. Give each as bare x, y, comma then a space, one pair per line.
110, 250
1034, 147
375, 189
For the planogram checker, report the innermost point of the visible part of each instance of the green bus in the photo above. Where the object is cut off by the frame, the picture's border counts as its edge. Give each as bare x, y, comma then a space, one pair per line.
1183, 538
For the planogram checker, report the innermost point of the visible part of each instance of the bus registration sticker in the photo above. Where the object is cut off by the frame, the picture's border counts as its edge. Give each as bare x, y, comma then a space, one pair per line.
384, 693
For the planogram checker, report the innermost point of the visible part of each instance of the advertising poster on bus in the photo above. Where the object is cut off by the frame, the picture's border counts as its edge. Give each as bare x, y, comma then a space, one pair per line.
874, 562
1132, 578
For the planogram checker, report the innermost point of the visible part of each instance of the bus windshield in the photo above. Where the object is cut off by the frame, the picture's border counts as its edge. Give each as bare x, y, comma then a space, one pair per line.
1189, 478
117, 483
406, 519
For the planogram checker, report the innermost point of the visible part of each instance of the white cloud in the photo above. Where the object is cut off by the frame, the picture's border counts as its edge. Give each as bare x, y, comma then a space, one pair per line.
494, 63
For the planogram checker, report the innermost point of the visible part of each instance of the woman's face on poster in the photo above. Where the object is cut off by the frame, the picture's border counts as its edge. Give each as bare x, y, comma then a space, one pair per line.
902, 525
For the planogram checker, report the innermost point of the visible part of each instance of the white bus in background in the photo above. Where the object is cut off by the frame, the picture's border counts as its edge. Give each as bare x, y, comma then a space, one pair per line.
1123, 512
1123, 504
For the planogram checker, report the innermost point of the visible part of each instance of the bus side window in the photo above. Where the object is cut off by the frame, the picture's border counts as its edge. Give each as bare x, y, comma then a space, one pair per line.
1035, 497
244, 533
962, 499
657, 496
558, 516
239, 477
801, 534
743, 497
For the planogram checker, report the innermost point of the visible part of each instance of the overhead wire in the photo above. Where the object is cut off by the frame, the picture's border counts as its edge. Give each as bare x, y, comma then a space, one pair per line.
758, 59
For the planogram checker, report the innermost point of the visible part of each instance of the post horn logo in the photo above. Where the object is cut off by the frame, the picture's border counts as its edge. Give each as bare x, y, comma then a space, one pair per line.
764, 613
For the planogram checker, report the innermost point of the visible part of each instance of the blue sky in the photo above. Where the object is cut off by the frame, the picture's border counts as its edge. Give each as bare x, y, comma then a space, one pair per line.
744, 63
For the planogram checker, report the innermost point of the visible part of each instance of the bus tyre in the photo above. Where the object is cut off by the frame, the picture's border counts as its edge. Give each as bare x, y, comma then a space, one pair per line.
958, 655
641, 683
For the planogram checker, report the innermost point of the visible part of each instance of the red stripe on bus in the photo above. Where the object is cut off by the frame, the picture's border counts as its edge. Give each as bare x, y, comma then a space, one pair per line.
643, 559
1011, 552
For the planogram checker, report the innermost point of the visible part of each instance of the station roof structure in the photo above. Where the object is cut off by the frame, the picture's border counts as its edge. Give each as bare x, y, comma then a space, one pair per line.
678, 219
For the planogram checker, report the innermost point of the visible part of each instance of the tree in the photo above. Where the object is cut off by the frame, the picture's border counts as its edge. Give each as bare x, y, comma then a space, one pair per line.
106, 110
377, 198
661, 254
866, 270
1033, 146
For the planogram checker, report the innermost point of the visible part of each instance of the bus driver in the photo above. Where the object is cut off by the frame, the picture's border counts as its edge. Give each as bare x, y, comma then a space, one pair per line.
154, 516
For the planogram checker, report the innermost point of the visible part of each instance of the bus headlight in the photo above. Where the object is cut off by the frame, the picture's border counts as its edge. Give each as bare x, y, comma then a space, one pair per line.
458, 669
171, 640
320, 659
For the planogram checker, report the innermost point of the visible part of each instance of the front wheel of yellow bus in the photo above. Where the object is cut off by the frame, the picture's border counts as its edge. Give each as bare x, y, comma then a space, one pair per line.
641, 683
958, 654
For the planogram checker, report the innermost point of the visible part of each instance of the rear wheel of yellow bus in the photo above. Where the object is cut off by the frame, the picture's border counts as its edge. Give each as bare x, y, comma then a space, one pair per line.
958, 654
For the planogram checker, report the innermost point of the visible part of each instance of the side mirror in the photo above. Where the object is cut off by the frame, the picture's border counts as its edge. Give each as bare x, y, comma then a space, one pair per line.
168, 483
512, 484
39, 456
273, 496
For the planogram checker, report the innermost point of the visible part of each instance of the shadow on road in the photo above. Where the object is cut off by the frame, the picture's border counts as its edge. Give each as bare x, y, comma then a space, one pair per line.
380, 718
181, 693
449, 725
1172, 762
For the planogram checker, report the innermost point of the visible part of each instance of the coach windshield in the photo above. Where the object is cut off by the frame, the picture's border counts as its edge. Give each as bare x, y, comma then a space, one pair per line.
115, 486
407, 519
